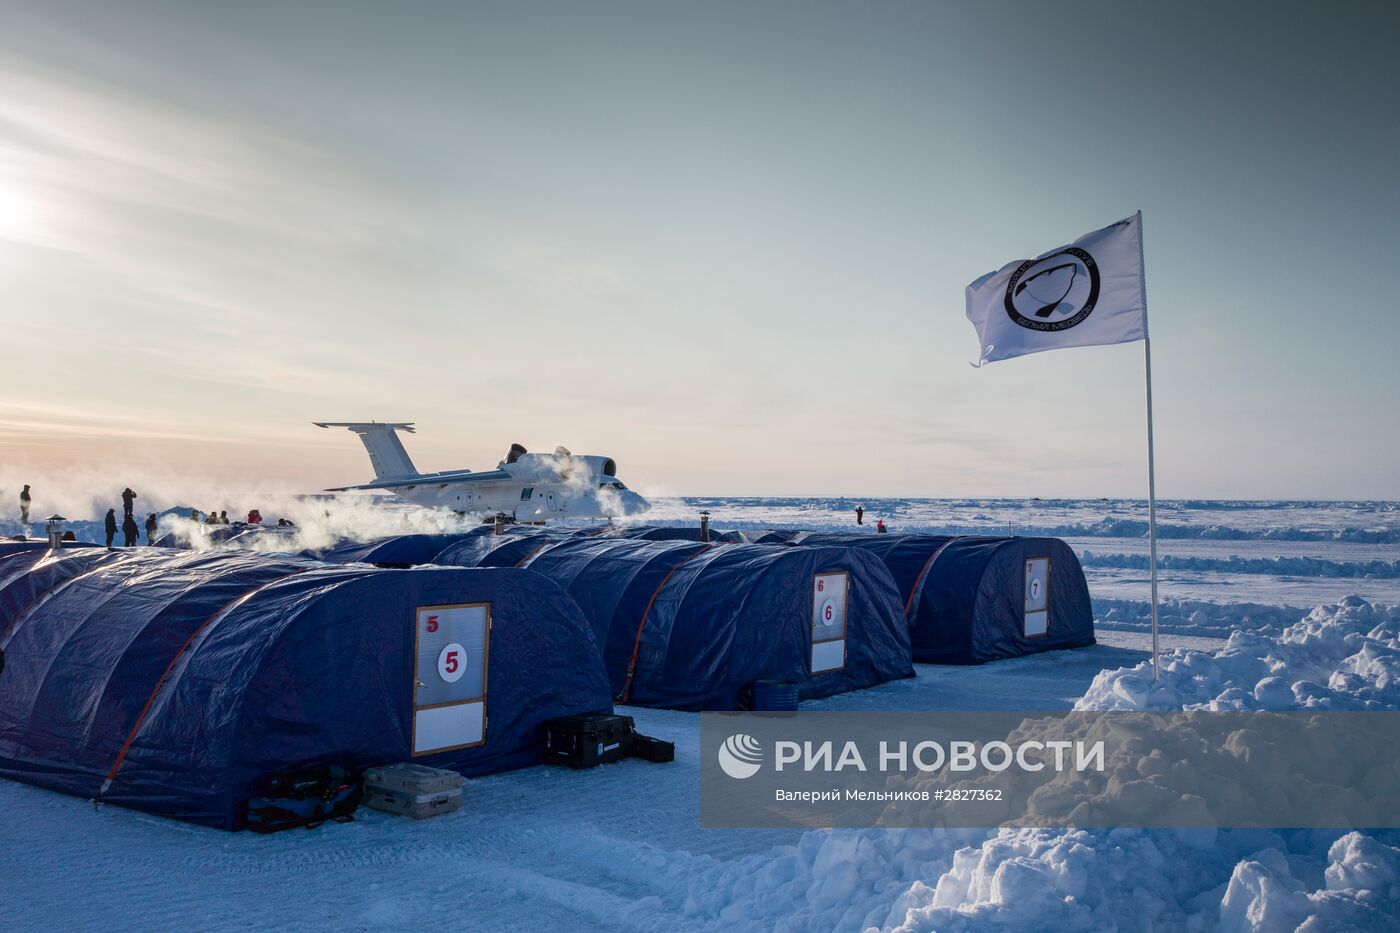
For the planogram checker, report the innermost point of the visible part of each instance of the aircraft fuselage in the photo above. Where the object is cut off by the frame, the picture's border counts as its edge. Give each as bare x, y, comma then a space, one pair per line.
528, 487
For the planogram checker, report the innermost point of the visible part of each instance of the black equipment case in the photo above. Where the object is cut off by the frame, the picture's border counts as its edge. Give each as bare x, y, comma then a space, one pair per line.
588, 739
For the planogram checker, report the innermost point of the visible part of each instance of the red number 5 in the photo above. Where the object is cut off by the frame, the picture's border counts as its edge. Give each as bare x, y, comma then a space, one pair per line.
432, 623
451, 662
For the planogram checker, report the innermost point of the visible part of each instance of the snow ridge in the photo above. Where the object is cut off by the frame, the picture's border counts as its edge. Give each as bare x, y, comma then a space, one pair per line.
1280, 566
1344, 656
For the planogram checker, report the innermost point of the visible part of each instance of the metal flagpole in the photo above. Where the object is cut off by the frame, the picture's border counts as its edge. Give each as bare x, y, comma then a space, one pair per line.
1151, 508
1151, 460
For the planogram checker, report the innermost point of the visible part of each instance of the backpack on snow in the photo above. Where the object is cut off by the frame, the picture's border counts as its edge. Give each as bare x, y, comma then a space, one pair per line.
307, 797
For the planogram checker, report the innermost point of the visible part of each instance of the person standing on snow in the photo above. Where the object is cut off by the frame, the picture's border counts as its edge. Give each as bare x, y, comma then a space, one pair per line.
860, 515
130, 533
151, 526
24, 505
110, 525
128, 498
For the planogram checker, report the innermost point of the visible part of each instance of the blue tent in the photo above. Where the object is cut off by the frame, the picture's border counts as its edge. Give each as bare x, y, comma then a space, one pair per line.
16, 545
26, 577
692, 626
416, 549
682, 533
177, 682
906, 556
521, 542
496, 550
987, 598
553, 530
672, 533
396, 551
770, 536
973, 599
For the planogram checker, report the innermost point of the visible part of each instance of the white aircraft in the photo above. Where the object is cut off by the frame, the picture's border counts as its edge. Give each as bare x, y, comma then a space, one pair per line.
529, 487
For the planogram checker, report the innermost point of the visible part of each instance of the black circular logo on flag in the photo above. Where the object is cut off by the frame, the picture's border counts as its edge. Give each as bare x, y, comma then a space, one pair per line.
1054, 293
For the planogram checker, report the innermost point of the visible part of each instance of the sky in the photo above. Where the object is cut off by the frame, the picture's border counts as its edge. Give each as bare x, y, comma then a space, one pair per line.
724, 243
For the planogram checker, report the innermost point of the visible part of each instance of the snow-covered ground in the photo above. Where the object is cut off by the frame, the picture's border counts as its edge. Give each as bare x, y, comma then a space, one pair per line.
620, 847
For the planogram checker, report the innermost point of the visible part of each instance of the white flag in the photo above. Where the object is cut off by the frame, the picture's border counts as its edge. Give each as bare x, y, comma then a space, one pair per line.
1088, 293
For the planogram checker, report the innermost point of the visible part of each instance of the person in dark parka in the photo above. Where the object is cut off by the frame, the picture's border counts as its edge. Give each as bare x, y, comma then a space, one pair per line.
24, 501
111, 526
151, 528
131, 534
128, 499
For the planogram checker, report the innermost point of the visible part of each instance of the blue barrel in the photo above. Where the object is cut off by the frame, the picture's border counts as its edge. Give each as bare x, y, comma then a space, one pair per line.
774, 696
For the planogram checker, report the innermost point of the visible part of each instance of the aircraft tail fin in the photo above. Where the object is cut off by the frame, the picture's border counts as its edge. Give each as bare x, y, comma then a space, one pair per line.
386, 453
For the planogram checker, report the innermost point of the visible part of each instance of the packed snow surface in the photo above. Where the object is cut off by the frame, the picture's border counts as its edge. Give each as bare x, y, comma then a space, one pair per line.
1268, 606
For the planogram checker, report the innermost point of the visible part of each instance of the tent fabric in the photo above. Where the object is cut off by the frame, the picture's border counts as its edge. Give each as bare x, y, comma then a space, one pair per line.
769, 536
964, 595
15, 545
176, 682
697, 624
29, 577
552, 529
970, 605
687, 533
417, 549
396, 551
494, 550
905, 556
670, 533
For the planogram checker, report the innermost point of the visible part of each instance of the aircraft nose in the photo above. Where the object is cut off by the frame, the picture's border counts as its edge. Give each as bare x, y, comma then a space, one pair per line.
633, 504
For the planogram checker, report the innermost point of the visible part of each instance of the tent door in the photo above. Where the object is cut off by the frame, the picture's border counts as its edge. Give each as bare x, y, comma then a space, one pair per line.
1037, 597
451, 649
829, 597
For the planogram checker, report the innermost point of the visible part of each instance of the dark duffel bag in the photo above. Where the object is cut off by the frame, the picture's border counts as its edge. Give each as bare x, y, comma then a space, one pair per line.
307, 798
649, 749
